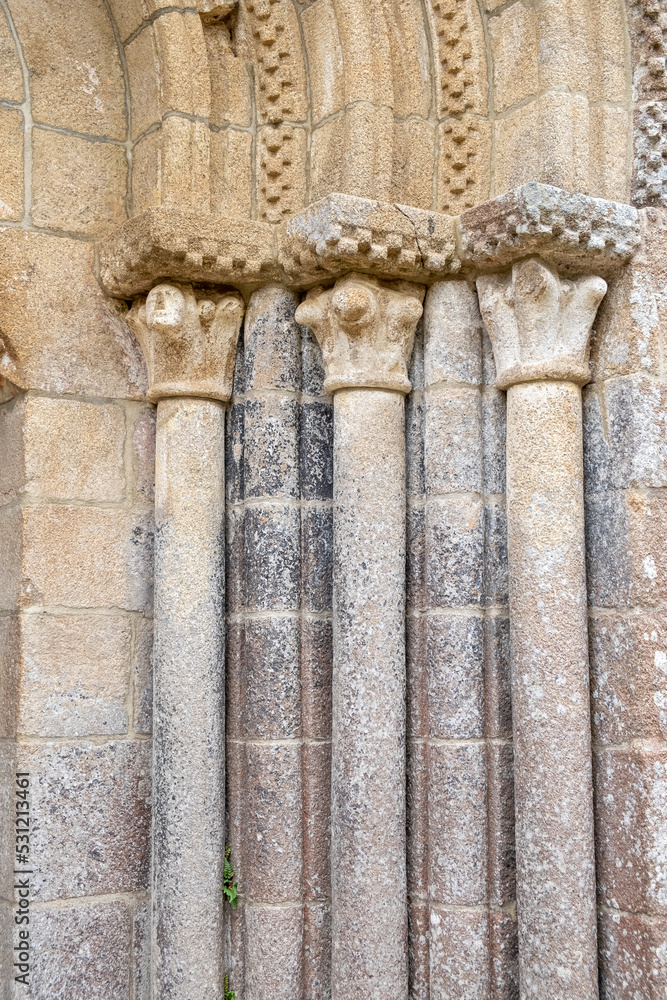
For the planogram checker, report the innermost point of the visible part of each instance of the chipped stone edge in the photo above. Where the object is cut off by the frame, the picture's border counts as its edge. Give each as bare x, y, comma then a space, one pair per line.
343, 233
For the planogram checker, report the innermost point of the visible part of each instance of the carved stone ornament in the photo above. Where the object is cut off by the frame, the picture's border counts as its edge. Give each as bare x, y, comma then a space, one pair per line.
189, 340
539, 323
365, 329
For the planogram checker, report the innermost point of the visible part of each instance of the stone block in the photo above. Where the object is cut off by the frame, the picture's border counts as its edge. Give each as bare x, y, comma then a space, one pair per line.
417, 819
12, 461
65, 334
74, 676
235, 680
11, 86
73, 450
272, 852
81, 950
11, 171
457, 825
271, 447
234, 487
142, 59
231, 173
316, 666
414, 444
455, 667
273, 947
91, 817
494, 432
632, 956
631, 828
76, 76
231, 83
10, 652
282, 152
316, 778
495, 555
312, 366
454, 552
272, 558
127, 15
184, 78
272, 676
413, 163
317, 559
317, 952
418, 951
78, 186
514, 46
504, 941
497, 695
146, 190
417, 677
628, 677
143, 454
416, 558
325, 60
272, 340
141, 958
453, 440
459, 954
142, 666
502, 853
11, 554
235, 593
316, 451
86, 557
628, 446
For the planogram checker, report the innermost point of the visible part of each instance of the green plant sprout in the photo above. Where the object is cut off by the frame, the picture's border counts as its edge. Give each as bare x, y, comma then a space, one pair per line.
229, 886
229, 994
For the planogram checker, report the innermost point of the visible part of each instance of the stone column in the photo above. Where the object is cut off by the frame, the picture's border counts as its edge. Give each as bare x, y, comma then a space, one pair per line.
366, 330
539, 326
189, 342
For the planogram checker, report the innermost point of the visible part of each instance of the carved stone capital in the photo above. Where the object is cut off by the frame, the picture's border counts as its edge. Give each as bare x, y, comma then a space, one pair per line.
539, 323
365, 329
189, 340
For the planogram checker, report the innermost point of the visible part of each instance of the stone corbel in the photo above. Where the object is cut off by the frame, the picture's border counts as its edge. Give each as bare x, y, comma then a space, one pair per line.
189, 340
366, 329
539, 324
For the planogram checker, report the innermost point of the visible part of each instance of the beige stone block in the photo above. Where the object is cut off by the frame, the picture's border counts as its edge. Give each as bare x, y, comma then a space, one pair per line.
184, 72
414, 163
184, 166
127, 15
354, 154
93, 801
86, 557
366, 52
146, 157
78, 186
11, 78
65, 334
73, 450
142, 676
74, 676
564, 142
11, 449
517, 149
325, 60
143, 69
610, 152
143, 454
464, 174
10, 557
609, 63
514, 45
231, 173
231, 83
409, 57
11, 166
76, 80
9, 659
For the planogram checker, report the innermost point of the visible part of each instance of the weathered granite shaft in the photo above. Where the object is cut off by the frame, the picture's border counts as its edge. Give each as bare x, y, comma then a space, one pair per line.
366, 330
539, 326
189, 346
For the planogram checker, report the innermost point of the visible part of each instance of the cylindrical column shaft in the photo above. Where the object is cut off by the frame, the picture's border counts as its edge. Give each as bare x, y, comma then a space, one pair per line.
368, 752
188, 735
550, 692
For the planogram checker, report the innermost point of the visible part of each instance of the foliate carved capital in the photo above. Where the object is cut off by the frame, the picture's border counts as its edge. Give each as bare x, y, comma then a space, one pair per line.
189, 340
365, 329
539, 323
